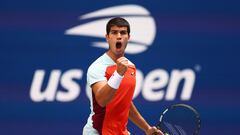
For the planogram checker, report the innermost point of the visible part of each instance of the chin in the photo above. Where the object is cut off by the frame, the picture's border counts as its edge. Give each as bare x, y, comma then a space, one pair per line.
119, 53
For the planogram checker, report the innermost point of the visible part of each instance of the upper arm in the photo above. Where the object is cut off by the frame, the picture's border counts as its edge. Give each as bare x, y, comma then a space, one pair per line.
132, 110
96, 77
95, 73
98, 82
98, 85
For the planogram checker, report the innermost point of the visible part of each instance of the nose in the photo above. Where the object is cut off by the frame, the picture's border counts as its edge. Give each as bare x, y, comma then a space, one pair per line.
119, 36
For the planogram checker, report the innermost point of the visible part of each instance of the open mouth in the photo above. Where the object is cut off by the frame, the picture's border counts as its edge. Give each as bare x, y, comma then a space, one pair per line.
118, 45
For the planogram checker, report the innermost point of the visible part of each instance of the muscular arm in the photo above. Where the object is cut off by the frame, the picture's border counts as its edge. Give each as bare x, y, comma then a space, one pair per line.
138, 120
103, 92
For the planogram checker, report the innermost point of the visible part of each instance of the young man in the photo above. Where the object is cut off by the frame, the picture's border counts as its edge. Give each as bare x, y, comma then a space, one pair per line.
112, 78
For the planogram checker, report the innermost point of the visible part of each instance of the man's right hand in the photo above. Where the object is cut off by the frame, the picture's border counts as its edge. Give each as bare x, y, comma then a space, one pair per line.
122, 65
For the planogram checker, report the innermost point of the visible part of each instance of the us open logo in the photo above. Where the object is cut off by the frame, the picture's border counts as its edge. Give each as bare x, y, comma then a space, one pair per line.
143, 27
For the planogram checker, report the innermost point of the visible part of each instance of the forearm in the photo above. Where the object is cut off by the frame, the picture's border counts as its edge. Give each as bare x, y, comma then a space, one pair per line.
104, 95
106, 90
137, 118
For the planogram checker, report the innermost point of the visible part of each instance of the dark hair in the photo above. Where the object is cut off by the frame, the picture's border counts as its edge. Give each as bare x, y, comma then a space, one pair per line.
118, 21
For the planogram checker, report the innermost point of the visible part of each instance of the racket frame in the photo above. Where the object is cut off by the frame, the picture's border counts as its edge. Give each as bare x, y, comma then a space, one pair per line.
197, 116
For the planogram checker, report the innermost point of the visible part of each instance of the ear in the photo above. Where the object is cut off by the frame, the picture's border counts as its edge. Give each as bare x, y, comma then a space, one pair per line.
107, 36
129, 36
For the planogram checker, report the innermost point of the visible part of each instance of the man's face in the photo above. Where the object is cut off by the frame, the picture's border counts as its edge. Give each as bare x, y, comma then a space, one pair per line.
117, 39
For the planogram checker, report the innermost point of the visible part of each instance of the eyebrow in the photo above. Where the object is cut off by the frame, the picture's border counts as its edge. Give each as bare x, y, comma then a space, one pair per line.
118, 30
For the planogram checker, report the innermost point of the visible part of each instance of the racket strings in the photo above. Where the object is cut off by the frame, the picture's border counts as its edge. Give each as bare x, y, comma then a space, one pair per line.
180, 130
170, 128
179, 121
174, 129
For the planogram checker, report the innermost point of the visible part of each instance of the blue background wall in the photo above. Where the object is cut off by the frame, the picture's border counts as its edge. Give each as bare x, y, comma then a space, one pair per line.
203, 36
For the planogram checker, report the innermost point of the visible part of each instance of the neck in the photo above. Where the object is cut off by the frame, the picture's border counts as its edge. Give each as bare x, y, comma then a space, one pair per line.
113, 56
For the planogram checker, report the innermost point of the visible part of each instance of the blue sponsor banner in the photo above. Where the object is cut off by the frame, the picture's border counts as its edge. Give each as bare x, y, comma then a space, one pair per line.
184, 51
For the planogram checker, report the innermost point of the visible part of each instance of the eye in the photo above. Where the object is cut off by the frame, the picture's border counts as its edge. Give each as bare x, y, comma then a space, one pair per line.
114, 32
124, 32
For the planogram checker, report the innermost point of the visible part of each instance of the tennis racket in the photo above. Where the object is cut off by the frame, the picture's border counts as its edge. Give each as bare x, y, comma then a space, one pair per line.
179, 119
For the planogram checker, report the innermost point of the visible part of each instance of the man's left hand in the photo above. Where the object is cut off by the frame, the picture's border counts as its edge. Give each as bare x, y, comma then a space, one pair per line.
152, 130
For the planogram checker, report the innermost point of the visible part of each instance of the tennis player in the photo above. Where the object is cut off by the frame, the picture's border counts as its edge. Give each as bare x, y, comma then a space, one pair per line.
112, 78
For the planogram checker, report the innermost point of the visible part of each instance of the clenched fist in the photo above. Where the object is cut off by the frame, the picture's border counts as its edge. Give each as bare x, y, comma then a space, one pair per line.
122, 65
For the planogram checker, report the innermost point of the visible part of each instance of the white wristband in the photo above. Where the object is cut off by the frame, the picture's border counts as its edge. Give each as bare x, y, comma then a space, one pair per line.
115, 80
